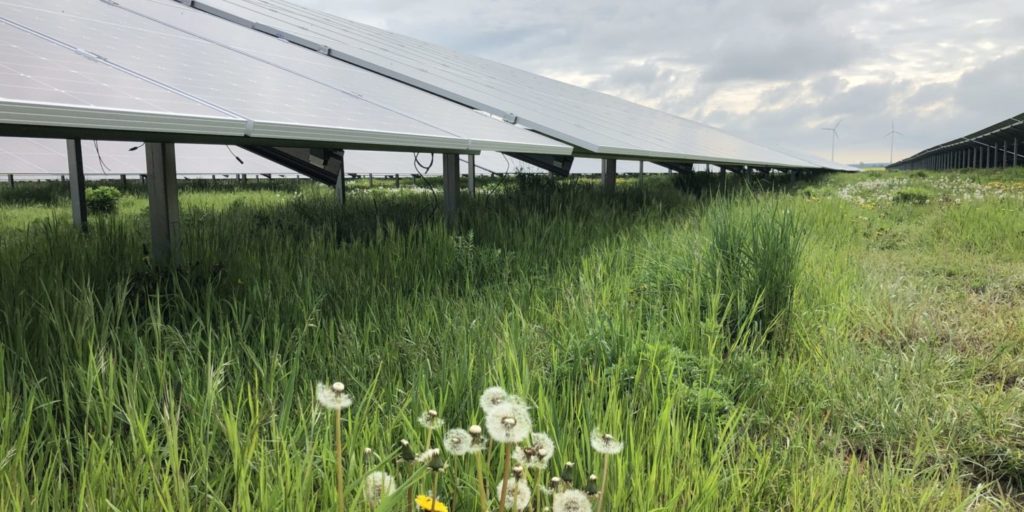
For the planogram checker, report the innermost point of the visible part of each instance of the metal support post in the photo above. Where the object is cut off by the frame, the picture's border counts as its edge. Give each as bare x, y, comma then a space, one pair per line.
1014, 152
164, 217
608, 172
471, 175
1004, 154
450, 177
76, 173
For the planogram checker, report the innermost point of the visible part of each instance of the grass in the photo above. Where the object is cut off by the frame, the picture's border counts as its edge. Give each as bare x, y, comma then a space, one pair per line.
757, 345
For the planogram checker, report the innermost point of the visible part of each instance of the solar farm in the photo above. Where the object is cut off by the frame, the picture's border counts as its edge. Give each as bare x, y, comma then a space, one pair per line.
255, 256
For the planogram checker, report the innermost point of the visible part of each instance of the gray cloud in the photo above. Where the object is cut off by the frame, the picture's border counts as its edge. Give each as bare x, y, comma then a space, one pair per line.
771, 71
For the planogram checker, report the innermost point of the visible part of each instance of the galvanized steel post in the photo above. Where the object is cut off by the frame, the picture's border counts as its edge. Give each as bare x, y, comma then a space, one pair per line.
471, 175
164, 216
608, 172
450, 177
76, 173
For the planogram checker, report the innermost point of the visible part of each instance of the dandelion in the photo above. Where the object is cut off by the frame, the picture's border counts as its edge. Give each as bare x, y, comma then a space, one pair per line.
508, 423
492, 397
536, 456
516, 494
427, 455
377, 486
405, 453
368, 456
335, 398
431, 420
432, 458
458, 442
430, 504
571, 501
477, 443
554, 485
592, 486
607, 445
568, 473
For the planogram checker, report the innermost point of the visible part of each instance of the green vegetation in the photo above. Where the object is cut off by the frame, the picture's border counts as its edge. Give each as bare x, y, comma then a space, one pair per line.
776, 345
102, 199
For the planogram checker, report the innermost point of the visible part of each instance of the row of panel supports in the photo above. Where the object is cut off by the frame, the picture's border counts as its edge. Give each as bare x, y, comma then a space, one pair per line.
980, 155
325, 166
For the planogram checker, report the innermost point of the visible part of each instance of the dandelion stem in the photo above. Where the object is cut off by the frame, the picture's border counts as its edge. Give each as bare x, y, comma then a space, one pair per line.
433, 491
604, 483
505, 472
340, 469
480, 481
536, 489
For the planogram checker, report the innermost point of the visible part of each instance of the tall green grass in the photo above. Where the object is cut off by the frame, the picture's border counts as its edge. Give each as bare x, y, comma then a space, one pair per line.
740, 346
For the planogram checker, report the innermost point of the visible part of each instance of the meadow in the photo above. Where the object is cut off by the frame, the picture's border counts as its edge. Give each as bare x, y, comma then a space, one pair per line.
851, 342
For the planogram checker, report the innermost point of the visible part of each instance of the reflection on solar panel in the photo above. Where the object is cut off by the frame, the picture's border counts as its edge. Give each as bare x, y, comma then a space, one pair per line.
593, 122
262, 100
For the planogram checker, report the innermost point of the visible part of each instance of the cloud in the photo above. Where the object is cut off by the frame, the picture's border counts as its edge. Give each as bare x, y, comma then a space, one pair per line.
770, 71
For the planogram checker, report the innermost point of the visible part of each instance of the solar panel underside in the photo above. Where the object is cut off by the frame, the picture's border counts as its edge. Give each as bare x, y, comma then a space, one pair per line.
268, 101
591, 121
34, 158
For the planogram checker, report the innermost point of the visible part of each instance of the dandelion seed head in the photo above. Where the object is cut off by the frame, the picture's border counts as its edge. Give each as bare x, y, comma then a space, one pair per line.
492, 397
425, 457
333, 397
377, 486
458, 442
592, 485
518, 495
604, 443
538, 453
571, 501
431, 420
509, 423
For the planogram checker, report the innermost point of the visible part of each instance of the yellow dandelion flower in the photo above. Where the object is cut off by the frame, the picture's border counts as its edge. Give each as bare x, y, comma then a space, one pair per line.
427, 503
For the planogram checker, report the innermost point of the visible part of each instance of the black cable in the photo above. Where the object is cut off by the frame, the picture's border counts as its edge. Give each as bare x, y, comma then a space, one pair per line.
426, 168
234, 155
103, 165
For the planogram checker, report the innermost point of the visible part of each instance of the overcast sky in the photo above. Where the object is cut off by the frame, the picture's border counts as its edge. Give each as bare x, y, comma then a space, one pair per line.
775, 71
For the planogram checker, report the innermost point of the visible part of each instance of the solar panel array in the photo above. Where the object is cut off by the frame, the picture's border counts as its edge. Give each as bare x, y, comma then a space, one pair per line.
65, 59
592, 122
999, 145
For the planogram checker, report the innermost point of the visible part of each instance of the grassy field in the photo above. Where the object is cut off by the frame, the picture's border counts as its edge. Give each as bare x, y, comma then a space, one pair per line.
850, 343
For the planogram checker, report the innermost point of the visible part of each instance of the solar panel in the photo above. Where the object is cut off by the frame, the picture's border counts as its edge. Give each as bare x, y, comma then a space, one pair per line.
43, 83
483, 132
591, 121
269, 101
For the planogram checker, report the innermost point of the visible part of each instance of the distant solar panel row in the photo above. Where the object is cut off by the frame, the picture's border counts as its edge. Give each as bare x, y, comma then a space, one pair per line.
104, 66
999, 145
594, 123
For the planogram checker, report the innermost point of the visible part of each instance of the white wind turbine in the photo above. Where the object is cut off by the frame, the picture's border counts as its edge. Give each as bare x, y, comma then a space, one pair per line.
835, 137
892, 140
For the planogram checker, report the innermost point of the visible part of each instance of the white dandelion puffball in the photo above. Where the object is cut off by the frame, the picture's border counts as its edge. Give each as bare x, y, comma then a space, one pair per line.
571, 501
538, 453
458, 442
377, 486
431, 420
479, 440
518, 495
492, 397
333, 397
604, 443
425, 457
509, 423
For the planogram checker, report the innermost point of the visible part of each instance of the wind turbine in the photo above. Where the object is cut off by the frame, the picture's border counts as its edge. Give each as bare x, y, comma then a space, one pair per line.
835, 137
892, 140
